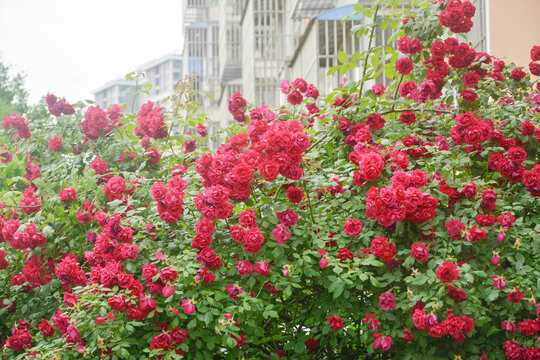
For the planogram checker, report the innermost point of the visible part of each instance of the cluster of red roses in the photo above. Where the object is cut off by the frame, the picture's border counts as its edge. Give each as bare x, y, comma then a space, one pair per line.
55, 143
150, 123
527, 327
381, 248
113, 244
99, 123
245, 267
59, 107
116, 187
286, 219
455, 326
401, 201
237, 106
457, 16
228, 172
370, 162
37, 272
20, 336
471, 130
18, 123
170, 198
29, 238
252, 238
69, 272
29, 203
354, 133
534, 66
510, 165
169, 340
514, 351
531, 179
163, 284
295, 90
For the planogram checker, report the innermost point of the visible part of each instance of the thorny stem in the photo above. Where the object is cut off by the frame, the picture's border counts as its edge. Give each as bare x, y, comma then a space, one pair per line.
371, 37
310, 209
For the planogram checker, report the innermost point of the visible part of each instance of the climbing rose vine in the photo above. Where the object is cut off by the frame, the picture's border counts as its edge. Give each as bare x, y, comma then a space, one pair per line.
377, 221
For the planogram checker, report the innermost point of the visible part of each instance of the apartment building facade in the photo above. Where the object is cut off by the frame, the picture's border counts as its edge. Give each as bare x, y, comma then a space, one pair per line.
162, 73
252, 45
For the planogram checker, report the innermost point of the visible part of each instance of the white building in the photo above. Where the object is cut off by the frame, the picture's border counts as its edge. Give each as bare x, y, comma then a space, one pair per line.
163, 74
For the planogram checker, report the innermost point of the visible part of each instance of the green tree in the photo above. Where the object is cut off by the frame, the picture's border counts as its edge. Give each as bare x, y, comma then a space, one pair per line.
13, 94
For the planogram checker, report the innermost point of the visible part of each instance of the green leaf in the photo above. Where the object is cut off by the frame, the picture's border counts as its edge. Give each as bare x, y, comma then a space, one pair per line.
333, 70
343, 57
374, 281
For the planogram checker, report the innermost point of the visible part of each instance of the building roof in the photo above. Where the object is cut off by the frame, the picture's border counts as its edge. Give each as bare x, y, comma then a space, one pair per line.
152, 63
339, 14
115, 82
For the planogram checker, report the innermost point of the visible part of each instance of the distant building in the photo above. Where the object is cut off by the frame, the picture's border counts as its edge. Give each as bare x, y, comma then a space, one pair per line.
250, 46
163, 74
117, 91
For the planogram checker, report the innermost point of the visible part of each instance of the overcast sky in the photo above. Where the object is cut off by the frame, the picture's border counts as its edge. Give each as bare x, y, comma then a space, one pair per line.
71, 47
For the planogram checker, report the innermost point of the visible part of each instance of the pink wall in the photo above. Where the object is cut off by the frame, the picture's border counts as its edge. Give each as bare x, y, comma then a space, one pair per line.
514, 29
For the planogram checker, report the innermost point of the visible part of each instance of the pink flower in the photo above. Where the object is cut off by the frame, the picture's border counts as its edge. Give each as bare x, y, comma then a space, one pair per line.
387, 301
188, 306
335, 322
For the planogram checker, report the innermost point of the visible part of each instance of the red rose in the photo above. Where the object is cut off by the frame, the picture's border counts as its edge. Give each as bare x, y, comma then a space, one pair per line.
515, 296
237, 101
457, 294
378, 90
253, 240
517, 154
68, 193
485, 220
237, 233
489, 199
295, 98
288, 218
248, 218
420, 252
46, 328
447, 272
269, 170
70, 299
55, 143
153, 156
262, 268
352, 227
209, 258
295, 195
116, 303
244, 267
529, 327
375, 121
535, 53
168, 274
408, 117
344, 254
387, 301
420, 319
469, 95
300, 84
242, 173
335, 322
471, 79
114, 187
534, 68
518, 74
404, 66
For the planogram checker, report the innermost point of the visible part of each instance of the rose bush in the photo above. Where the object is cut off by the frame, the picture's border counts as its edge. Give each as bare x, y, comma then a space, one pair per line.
394, 222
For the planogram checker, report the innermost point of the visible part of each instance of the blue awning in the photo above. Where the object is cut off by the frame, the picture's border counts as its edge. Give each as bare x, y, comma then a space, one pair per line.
339, 14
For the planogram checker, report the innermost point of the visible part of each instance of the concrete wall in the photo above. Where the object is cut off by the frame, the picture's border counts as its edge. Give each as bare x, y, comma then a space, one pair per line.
514, 28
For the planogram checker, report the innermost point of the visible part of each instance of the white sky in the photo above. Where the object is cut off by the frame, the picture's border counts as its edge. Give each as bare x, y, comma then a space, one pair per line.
71, 47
